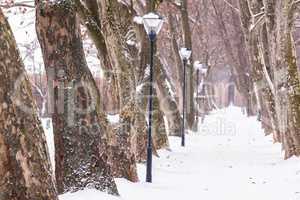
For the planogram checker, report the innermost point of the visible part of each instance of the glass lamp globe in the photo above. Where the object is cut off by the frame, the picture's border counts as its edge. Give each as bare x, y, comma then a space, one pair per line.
197, 65
152, 23
185, 53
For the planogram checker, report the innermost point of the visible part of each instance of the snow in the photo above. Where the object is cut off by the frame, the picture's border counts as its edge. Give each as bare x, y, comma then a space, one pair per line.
197, 65
113, 119
130, 42
88, 194
139, 88
185, 53
48, 128
228, 159
169, 86
138, 20
23, 26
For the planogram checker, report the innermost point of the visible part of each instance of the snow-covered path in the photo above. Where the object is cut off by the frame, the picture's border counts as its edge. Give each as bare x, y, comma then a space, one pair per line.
229, 159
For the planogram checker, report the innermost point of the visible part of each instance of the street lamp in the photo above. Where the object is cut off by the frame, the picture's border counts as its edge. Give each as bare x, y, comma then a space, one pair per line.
185, 54
152, 24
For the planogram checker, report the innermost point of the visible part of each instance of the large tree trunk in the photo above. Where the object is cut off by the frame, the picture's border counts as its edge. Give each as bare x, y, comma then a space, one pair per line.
279, 19
167, 102
266, 87
275, 70
79, 127
287, 75
177, 59
113, 59
129, 70
187, 40
25, 171
241, 55
160, 137
89, 16
117, 26
238, 70
257, 60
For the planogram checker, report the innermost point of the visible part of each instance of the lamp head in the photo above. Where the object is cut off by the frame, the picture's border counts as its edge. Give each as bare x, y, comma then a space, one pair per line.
185, 53
202, 67
152, 24
197, 65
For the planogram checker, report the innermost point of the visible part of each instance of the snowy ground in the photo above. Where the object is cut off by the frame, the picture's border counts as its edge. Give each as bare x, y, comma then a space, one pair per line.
228, 159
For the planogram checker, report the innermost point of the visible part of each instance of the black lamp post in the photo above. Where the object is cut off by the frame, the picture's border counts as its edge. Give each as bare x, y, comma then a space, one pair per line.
185, 54
152, 24
197, 67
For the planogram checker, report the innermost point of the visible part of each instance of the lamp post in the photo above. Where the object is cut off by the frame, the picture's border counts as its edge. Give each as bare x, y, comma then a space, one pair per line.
203, 70
197, 67
185, 54
152, 24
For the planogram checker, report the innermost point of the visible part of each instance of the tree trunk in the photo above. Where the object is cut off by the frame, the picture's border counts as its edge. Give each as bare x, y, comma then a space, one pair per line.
275, 70
187, 39
177, 59
238, 70
280, 15
79, 127
128, 68
117, 21
167, 102
257, 60
25, 171
160, 137
243, 61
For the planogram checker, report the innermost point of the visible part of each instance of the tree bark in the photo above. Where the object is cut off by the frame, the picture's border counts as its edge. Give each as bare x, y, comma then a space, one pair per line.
160, 137
187, 40
167, 102
128, 67
25, 170
177, 59
274, 67
79, 127
279, 19
257, 60
238, 70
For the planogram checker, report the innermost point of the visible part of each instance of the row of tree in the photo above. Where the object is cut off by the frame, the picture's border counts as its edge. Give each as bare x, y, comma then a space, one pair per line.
268, 29
89, 151
254, 37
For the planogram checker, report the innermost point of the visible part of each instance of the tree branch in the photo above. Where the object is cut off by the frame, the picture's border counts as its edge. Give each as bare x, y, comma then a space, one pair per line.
6, 6
230, 5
